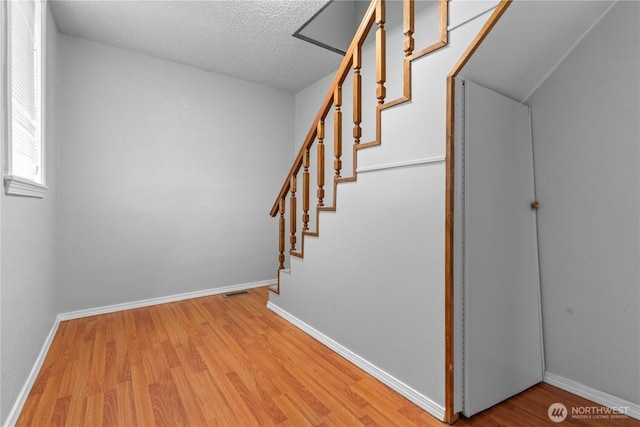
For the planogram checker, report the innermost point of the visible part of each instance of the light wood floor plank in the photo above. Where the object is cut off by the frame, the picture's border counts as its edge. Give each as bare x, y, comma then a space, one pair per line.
231, 362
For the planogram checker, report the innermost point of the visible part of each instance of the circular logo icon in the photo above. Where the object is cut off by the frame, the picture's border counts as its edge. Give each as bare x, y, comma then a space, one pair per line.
557, 412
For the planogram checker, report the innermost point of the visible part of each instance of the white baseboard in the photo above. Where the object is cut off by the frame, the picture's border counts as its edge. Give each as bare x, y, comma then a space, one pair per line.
26, 389
12, 418
161, 300
597, 396
414, 396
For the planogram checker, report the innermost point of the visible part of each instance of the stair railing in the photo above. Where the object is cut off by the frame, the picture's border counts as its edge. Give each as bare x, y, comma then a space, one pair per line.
375, 14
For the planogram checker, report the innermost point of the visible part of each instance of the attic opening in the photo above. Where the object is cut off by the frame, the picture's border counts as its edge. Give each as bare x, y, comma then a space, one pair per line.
332, 27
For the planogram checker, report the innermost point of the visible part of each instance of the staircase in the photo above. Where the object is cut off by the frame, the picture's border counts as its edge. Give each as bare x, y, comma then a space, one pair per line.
317, 138
376, 284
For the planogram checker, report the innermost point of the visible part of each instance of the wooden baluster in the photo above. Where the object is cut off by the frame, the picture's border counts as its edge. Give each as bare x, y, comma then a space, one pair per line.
305, 191
337, 130
408, 19
357, 94
281, 234
381, 52
292, 214
320, 179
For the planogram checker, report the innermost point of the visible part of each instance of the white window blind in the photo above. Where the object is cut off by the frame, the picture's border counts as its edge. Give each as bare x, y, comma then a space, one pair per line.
25, 160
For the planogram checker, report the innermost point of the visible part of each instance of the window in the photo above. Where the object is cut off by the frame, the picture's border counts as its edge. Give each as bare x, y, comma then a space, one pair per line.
24, 59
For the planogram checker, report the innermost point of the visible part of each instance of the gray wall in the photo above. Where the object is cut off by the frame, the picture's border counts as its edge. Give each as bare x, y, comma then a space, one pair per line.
586, 132
28, 251
167, 175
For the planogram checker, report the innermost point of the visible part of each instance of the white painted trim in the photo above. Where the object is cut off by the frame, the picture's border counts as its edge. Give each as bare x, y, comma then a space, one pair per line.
12, 418
18, 186
437, 159
592, 394
414, 396
458, 248
161, 300
561, 60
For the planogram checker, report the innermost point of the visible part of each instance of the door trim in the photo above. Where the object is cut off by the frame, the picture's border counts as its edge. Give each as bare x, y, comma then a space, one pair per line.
450, 415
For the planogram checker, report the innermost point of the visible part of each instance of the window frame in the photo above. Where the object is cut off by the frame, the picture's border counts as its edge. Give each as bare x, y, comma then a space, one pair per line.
16, 184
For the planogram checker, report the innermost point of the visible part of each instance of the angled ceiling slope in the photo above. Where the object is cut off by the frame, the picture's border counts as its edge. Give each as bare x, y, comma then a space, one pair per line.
529, 41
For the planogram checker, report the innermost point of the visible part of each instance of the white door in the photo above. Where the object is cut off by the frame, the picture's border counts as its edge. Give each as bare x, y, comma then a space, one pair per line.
502, 320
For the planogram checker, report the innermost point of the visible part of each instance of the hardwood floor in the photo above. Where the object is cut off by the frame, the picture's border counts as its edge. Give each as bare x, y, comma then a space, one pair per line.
230, 362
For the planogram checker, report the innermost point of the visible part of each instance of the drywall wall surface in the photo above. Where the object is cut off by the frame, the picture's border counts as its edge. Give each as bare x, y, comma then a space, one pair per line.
373, 281
472, 9
167, 175
28, 251
586, 126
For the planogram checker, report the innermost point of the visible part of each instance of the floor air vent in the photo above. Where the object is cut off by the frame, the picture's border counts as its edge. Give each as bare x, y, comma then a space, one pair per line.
235, 294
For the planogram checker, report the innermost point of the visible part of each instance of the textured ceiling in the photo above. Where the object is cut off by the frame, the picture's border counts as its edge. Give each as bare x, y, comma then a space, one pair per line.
247, 39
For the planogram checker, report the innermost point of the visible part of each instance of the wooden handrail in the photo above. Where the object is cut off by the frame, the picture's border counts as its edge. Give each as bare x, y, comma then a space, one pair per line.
341, 75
